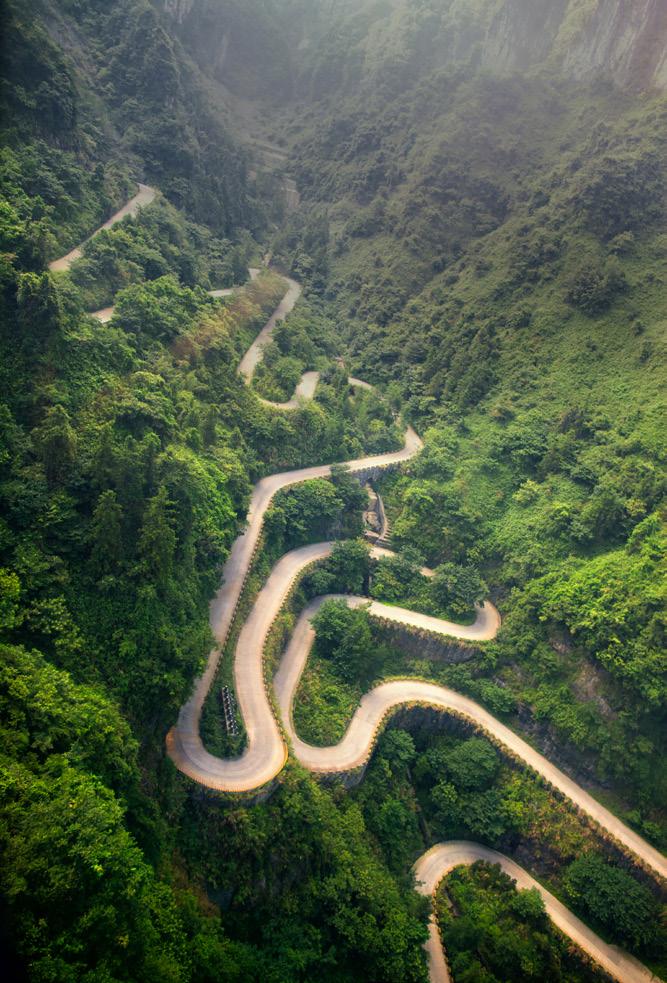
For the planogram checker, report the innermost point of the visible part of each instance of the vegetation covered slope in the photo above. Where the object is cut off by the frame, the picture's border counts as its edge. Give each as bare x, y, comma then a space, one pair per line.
496, 245
100, 91
127, 451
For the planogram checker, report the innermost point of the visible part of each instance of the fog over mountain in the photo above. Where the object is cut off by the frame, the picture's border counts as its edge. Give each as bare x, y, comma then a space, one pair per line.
332, 491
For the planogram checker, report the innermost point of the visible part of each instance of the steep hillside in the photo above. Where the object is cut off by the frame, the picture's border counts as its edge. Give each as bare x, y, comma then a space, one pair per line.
494, 244
126, 454
580, 39
244, 45
314, 49
484, 207
483, 235
112, 89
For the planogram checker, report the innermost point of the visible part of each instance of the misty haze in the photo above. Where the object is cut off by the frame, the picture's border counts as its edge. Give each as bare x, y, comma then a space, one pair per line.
333, 375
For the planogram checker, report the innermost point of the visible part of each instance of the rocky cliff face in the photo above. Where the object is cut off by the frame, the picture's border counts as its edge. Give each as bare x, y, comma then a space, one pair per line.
625, 40
246, 43
238, 42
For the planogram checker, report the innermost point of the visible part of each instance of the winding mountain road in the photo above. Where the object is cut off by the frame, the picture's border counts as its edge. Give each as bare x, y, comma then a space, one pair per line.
254, 355
144, 197
106, 313
437, 862
267, 750
353, 751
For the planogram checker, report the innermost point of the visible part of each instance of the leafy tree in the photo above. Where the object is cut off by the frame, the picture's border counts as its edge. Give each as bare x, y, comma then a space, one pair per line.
158, 309
343, 635
351, 904
494, 932
157, 540
614, 605
39, 306
473, 765
593, 286
304, 513
457, 588
618, 192
354, 498
45, 711
10, 593
398, 578
56, 442
106, 533
396, 828
613, 898
345, 571
398, 748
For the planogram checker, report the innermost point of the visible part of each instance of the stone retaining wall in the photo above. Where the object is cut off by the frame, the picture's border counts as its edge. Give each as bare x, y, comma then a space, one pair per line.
425, 645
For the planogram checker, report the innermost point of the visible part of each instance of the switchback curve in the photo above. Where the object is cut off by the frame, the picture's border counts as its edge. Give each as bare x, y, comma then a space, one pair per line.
437, 862
143, 197
267, 751
353, 750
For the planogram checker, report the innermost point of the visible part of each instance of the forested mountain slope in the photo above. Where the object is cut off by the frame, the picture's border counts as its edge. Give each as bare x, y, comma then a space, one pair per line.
127, 451
483, 236
496, 245
110, 86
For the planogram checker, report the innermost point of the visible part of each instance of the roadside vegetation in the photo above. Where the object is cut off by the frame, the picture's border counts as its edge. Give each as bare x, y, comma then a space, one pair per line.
490, 252
437, 782
493, 932
516, 314
159, 242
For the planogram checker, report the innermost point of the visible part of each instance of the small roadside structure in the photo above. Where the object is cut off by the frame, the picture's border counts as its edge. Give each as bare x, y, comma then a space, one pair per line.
229, 710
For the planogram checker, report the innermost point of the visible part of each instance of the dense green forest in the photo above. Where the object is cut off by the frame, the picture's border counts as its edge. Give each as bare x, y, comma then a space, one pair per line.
487, 244
505, 281
500, 933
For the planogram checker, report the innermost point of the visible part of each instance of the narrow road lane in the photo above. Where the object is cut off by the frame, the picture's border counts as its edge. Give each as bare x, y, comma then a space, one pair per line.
437, 862
254, 355
144, 197
266, 752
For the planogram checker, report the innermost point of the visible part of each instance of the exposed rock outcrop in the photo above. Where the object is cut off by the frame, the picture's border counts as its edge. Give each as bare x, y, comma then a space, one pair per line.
622, 40
625, 40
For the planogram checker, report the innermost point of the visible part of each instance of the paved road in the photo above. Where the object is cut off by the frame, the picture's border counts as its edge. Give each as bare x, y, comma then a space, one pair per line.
305, 389
223, 292
266, 752
307, 385
144, 197
355, 747
254, 355
441, 859
106, 313
353, 750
